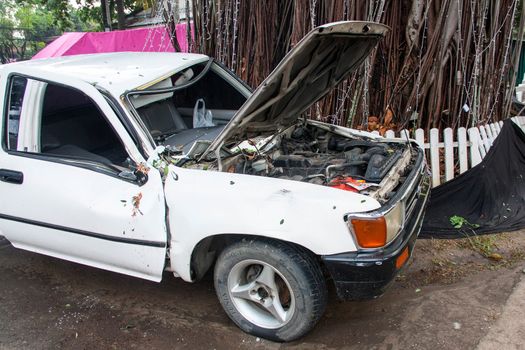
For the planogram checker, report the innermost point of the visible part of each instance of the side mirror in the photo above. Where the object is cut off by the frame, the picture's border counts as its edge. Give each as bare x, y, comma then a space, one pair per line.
141, 177
134, 175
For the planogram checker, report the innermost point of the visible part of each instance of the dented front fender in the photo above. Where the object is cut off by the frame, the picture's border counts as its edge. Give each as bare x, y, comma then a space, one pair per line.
207, 203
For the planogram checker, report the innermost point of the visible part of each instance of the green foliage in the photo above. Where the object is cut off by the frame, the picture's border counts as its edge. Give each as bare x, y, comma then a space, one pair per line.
27, 25
90, 11
36, 23
460, 222
485, 245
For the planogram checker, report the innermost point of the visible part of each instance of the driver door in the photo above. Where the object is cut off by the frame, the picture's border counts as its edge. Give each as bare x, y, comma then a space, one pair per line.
65, 190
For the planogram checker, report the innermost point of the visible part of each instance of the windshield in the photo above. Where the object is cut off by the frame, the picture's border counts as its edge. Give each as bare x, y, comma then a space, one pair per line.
191, 105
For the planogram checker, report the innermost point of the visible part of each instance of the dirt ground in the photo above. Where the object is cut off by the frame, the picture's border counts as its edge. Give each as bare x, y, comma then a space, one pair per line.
447, 298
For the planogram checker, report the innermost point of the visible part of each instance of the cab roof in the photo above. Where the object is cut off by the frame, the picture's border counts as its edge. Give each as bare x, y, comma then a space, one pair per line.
115, 72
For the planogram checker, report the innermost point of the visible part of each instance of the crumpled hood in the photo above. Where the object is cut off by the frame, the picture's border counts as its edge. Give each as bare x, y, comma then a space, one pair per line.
321, 60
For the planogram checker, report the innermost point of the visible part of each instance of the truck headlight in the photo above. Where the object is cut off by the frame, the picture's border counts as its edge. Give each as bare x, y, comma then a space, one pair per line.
395, 220
376, 230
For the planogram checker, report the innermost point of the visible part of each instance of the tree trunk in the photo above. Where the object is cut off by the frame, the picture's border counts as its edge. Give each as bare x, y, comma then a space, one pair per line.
189, 36
106, 17
170, 12
441, 56
121, 16
517, 51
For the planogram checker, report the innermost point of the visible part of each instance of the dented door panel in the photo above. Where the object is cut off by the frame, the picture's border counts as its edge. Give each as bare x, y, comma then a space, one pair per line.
77, 210
83, 216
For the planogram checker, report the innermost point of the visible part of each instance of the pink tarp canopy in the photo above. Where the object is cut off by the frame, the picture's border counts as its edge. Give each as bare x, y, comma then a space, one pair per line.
153, 39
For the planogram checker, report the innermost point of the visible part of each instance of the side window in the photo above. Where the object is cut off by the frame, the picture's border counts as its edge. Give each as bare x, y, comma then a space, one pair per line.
14, 109
67, 124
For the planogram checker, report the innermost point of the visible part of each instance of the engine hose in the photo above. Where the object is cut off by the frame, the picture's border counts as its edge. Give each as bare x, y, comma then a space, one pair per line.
342, 166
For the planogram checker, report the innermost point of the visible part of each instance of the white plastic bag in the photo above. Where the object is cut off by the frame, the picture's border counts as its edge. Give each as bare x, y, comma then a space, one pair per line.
201, 116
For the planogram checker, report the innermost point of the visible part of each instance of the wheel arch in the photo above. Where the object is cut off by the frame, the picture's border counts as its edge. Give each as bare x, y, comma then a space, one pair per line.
206, 251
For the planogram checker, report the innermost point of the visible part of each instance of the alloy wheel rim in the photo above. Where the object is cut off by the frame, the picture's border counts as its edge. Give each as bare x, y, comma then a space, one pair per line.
261, 294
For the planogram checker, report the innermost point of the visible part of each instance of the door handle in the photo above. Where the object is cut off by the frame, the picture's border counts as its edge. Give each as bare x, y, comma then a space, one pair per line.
11, 176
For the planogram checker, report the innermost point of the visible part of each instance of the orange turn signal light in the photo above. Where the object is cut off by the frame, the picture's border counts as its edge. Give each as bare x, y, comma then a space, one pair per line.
402, 258
370, 233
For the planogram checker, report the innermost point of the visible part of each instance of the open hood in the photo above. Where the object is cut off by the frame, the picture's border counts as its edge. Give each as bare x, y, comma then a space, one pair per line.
321, 60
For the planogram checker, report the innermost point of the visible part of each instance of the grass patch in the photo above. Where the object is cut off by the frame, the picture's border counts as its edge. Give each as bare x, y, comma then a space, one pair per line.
484, 245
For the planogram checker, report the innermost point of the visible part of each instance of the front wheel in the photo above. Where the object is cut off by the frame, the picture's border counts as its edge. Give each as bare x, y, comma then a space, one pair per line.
270, 289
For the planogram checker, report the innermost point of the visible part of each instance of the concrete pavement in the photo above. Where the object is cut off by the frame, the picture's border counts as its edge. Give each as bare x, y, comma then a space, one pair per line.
509, 330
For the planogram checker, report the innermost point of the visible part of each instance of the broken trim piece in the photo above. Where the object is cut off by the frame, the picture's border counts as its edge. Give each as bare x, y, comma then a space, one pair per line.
154, 91
390, 181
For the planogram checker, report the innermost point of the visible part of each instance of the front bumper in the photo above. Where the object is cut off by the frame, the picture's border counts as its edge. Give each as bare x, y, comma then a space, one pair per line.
366, 274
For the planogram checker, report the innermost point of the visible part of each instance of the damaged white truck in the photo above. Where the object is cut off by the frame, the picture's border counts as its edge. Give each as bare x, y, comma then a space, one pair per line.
142, 163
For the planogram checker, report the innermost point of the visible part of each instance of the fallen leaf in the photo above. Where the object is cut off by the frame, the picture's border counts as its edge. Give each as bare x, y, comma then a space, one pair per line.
128, 326
136, 204
495, 256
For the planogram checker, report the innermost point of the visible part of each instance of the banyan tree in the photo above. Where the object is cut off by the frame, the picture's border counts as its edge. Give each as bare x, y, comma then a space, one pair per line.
445, 63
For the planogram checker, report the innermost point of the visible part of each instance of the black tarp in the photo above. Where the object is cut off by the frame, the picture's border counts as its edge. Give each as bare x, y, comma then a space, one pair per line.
490, 196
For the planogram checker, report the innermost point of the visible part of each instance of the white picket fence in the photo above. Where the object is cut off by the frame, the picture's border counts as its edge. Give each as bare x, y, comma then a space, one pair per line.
467, 149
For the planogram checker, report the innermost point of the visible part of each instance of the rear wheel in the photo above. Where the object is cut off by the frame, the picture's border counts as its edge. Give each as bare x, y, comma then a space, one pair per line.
270, 289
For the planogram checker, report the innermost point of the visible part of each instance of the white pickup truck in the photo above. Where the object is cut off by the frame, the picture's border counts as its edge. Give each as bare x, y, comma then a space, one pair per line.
142, 163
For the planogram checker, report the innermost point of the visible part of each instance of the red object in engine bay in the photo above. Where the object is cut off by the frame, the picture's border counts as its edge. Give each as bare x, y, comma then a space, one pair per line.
343, 183
348, 183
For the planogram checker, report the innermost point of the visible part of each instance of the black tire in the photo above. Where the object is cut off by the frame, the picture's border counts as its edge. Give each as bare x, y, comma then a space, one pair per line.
294, 269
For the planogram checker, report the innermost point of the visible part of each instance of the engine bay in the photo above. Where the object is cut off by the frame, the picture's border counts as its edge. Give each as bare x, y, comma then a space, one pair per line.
311, 154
